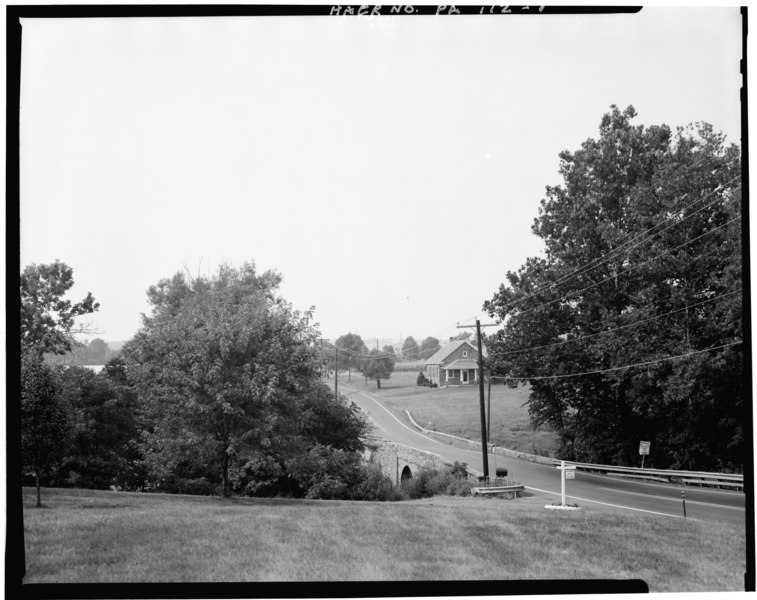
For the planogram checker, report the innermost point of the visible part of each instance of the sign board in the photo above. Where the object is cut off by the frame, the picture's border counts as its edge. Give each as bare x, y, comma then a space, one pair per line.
570, 474
644, 447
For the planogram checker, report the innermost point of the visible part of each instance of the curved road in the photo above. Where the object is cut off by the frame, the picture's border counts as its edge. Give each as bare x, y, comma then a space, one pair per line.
587, 489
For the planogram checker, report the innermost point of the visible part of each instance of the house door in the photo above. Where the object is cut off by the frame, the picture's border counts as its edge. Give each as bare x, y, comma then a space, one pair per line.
464, 376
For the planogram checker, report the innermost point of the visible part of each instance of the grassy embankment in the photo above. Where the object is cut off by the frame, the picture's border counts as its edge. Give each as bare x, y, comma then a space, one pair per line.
91, 536
456, 410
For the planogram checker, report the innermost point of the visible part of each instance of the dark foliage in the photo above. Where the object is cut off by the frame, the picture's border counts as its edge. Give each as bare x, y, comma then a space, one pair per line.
642, 263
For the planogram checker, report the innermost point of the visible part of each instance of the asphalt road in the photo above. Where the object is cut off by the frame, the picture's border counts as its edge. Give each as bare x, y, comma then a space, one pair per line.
588, 490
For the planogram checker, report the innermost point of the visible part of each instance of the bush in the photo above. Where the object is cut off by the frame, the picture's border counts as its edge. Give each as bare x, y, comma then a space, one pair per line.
450, 482
327, 473
421, 379
375, 486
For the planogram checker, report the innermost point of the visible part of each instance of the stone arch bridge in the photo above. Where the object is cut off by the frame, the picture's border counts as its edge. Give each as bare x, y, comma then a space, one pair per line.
400, 462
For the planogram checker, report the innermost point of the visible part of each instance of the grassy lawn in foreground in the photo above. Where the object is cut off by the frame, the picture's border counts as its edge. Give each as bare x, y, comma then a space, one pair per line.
456, 410
94, 536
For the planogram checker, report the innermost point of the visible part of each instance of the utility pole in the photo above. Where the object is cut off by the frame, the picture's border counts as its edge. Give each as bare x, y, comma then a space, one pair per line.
336, 372
484, 446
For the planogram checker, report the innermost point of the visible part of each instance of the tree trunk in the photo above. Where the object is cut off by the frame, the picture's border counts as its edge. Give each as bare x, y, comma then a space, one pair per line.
39, 498
378, 384
225, 474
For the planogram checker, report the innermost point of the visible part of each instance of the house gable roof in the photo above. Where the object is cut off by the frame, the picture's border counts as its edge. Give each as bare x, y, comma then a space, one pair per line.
462, 363
446, 350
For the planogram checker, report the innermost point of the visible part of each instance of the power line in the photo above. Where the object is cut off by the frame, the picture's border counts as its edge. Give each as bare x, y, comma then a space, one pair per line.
585, 269
636, 266
608, 370
622, 248
626, 326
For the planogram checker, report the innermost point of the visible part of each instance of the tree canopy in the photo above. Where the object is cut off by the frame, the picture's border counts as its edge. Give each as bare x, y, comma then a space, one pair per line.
106, 429
47, 318
228, 376
354, 349
45, 426
379, 365
642, 266
410, 349
429, 347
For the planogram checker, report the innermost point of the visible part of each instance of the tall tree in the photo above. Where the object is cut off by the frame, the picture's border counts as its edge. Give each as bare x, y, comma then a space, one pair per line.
410, 349
353, 347
228, 375
429, 347
45, 430
642, 265
379, 366
47, 319
105, 429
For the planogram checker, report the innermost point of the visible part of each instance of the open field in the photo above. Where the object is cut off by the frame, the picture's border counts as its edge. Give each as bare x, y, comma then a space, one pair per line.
456, 410
95, 536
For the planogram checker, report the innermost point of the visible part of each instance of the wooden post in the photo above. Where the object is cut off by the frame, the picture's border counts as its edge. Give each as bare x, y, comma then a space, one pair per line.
484, 446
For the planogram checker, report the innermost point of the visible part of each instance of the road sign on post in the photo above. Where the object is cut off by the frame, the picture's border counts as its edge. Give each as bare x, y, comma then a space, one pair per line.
644, 451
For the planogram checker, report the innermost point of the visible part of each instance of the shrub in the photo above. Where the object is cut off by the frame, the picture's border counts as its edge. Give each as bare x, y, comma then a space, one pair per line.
326, 472
375, 485
417, 487
449, 482
198, 487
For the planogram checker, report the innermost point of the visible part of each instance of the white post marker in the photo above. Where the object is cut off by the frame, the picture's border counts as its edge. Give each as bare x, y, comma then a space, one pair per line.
564, 470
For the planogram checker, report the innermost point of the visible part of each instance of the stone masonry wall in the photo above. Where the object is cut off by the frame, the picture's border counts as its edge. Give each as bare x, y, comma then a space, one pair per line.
394, 458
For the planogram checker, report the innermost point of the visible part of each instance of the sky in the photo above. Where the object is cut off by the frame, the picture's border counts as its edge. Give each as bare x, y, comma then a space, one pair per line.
390, 168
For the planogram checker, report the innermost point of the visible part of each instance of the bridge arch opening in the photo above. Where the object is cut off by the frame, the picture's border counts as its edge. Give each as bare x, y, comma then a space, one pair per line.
406, 473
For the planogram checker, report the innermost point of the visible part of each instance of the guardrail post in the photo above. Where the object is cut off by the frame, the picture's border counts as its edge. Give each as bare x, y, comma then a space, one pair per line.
683, 499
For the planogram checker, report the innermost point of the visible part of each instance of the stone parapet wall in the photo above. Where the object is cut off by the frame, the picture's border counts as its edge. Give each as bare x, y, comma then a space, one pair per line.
394, 457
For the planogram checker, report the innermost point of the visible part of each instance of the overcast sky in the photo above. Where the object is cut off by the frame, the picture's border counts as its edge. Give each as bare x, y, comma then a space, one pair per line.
389, 168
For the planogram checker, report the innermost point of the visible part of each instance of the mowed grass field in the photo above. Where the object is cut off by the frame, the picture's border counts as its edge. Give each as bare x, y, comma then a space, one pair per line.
83, 536
457, 410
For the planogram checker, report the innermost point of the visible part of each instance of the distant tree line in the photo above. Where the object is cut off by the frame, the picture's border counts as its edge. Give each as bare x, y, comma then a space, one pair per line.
94, 352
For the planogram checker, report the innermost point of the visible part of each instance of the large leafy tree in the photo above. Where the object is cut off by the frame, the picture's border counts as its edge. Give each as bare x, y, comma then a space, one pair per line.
47, 318
352, 352
45, 429
410, 349
429, 347
642, 264
379, 365
228, 375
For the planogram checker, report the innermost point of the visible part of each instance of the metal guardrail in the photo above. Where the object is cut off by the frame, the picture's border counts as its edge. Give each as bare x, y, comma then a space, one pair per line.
702, 477
501, 489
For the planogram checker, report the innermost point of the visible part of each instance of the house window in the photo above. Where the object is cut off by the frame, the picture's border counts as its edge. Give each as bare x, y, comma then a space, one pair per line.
465, 354
450, 374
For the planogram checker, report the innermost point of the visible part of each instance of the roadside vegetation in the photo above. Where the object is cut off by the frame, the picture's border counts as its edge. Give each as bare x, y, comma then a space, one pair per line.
96, 536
